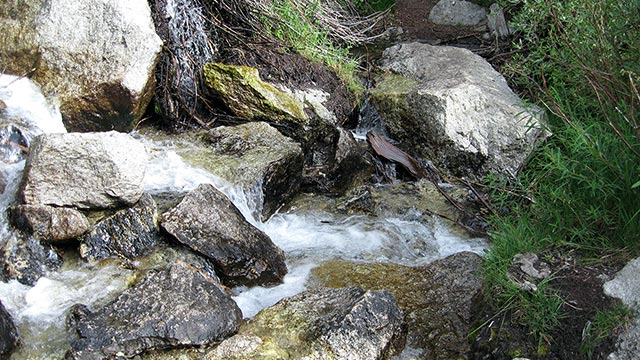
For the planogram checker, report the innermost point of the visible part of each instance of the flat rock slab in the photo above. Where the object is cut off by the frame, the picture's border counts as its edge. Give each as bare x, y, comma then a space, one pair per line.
84, 170
348, 323
208, 222
179, 306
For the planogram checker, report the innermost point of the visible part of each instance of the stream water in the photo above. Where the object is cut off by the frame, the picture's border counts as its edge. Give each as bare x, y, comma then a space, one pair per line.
308, 237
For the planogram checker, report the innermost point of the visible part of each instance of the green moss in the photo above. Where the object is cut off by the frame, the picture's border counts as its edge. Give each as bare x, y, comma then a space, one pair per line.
394, 84
244, 92
405, 283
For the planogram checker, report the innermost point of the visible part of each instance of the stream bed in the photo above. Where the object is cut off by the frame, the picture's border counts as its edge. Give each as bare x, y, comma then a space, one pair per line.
309, 235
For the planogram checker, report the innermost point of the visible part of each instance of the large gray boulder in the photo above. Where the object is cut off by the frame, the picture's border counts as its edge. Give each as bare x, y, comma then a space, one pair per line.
48, 223
626, 287
179, 306
9, 337
253, 155
26, 259
450, 106
127, 234
437, 298
85, 171
98, 56
457, 12
208, 222
347, 323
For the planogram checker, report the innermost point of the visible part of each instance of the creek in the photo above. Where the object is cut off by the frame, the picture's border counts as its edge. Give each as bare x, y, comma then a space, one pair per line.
308, 234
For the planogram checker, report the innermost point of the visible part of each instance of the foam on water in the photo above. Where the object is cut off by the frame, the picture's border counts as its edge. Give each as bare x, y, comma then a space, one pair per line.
26, 105
40, 311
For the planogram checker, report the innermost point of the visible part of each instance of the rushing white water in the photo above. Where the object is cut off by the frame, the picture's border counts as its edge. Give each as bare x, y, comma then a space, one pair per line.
308, 237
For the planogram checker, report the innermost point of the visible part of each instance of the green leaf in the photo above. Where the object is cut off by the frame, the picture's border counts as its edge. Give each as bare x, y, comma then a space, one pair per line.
636, 185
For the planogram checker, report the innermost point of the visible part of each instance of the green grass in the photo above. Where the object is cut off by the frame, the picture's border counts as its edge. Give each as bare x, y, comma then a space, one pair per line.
297, 24
605, 323
581, 61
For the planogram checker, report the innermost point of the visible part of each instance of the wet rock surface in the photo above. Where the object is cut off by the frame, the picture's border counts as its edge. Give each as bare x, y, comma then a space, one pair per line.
179, 306
346, 323
85, 171
49, 223
450, 106
437, 298
252, 155
128, 234
209, 223
111, 43
26, 260
9, 337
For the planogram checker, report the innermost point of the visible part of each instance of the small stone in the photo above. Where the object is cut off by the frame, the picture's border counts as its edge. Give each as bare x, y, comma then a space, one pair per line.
531, 266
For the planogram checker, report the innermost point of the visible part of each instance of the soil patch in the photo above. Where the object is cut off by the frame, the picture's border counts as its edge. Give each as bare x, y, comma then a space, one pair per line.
579, 283
413, 17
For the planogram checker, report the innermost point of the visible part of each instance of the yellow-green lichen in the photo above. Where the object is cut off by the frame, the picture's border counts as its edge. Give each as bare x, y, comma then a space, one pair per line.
244, 92
394, 84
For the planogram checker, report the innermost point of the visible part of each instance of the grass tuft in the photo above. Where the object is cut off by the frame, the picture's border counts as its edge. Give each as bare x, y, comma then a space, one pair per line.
581, 189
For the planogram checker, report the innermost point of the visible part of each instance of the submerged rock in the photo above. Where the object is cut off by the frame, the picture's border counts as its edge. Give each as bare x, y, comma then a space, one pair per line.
85, 171
98, 57
9, 337
252, 155
347, 323
437, 298
208, 222
49, 223
26, 260
180, 306
450, 106
127, 234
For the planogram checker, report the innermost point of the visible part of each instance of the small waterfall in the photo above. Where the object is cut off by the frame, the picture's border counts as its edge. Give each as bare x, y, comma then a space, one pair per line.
368, 120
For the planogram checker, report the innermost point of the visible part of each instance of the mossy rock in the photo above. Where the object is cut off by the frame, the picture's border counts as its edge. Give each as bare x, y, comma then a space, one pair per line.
346, 323
437, 298
244, 92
